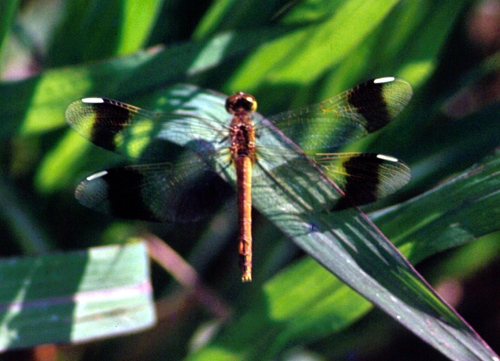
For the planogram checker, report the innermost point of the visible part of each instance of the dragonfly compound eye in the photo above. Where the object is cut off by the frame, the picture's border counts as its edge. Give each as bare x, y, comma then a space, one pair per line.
241, 103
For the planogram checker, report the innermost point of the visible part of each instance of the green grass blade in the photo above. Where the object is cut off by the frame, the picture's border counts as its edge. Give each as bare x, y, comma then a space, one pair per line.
456, 212
304, 55
76, 296
8, 10
346, 243
292, 315
138, 21
225, 15
125, 26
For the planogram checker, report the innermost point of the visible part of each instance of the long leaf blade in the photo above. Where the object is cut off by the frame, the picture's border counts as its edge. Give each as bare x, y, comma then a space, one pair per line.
75, 297
346, 243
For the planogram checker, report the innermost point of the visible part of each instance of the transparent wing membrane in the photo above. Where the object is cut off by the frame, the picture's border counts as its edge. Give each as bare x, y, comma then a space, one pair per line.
346, 117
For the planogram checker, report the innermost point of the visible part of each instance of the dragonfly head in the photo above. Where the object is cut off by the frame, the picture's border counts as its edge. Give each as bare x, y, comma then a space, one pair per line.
241, 103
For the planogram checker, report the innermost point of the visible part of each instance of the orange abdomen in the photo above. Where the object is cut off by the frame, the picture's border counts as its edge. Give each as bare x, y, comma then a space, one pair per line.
244, 178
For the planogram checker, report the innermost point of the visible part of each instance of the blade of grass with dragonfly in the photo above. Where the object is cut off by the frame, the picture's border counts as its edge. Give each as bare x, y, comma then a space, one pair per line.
444, 217
346, 243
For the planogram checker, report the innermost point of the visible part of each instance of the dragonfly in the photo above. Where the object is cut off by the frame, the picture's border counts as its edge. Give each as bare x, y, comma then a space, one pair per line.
187, 189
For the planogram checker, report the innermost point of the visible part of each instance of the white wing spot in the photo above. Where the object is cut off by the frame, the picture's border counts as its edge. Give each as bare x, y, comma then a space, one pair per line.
386, 157
384, 80
97, 175
93, 100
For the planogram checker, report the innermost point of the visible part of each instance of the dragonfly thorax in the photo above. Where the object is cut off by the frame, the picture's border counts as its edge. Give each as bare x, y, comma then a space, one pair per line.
241, 103
242, 137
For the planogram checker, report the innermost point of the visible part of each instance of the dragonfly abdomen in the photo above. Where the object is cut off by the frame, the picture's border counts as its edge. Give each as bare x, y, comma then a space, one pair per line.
244, 179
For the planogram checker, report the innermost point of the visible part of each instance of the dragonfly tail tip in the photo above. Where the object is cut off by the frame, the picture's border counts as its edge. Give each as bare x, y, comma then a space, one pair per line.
247, 277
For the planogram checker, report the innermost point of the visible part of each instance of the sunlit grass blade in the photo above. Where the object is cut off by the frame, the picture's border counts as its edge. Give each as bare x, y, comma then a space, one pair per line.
138, 21
345, 27
447, 216
75, 297
444, 217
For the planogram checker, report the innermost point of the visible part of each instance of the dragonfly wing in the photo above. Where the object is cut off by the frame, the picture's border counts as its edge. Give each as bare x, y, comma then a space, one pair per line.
130, 130
187, 192
363, 177
186, 189
350, 115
